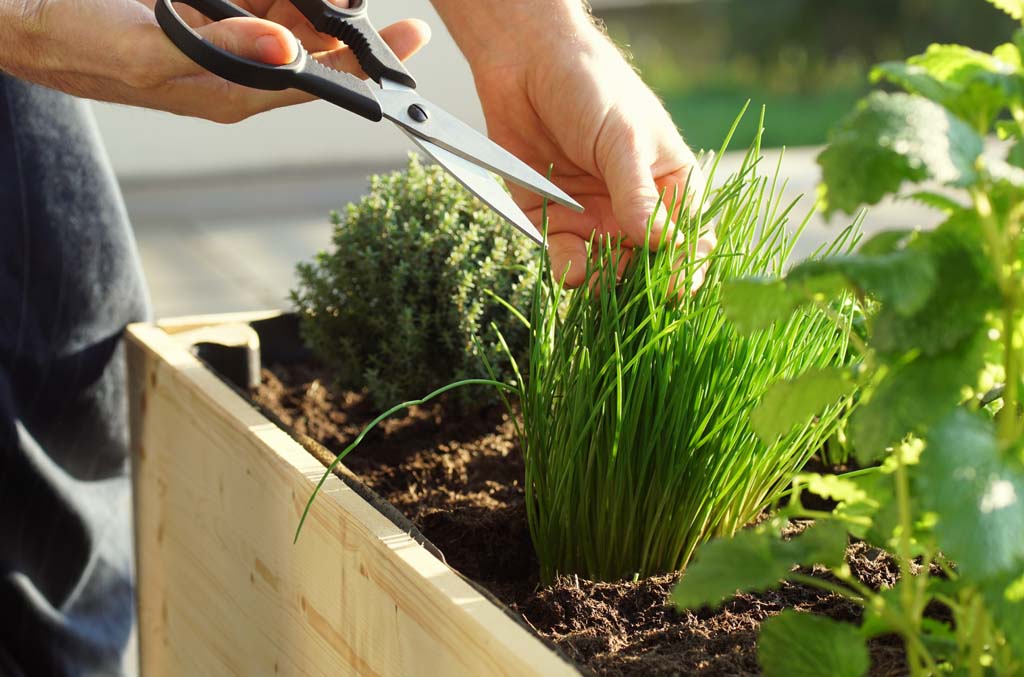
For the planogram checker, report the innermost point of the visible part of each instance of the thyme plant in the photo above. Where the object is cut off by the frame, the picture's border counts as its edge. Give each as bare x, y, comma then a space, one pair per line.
940, 380
403, 301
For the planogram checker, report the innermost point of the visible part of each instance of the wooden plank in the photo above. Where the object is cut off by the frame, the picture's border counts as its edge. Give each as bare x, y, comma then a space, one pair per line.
177, 325
222, 589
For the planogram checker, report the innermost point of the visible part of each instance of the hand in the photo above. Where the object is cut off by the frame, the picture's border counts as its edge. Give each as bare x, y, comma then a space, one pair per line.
113, 50
578, 104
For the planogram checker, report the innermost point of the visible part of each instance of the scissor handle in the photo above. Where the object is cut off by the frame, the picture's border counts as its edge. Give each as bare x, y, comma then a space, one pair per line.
304, 73
352, 26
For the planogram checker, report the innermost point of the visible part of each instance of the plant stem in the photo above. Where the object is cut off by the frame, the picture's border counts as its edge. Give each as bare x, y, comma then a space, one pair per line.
1011, 396
827, 586
908, 597
1002, 246
977, 637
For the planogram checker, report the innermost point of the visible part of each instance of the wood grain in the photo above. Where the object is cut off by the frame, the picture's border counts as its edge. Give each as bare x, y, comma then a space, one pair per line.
223, 590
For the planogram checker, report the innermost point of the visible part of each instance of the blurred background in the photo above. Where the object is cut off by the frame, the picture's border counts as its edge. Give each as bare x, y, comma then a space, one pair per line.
223, 213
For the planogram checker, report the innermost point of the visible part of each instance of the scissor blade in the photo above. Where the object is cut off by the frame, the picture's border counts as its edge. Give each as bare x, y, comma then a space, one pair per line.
448, 132
480, 182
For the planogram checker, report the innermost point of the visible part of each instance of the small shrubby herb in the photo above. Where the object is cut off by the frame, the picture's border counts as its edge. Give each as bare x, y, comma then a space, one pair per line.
404, 301
939, 381
639, 396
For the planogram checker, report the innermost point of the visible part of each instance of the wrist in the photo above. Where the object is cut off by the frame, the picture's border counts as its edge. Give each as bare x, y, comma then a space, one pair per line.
495, 33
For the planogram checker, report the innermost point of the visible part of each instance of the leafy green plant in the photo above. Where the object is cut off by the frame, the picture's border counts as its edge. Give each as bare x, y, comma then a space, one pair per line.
404, 299
947, 493
637, 404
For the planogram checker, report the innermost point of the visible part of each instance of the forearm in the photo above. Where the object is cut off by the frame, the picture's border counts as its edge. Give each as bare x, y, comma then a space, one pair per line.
489, 29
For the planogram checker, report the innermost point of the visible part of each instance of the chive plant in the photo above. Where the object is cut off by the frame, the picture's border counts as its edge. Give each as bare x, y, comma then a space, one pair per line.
637, 403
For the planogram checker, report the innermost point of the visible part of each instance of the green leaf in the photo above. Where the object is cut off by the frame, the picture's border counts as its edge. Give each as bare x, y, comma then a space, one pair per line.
913, 396
795, 644
885, 242
937, 201
755, 559
961, 294
1014, 8
974, 85
1016, 155
832, 487
890, 139
977, 493
753, 304
1004, 598
756, 304
903, 280
913, 78
792, 402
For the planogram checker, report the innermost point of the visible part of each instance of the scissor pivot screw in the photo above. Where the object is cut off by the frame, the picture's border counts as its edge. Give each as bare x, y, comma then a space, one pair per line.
417, 113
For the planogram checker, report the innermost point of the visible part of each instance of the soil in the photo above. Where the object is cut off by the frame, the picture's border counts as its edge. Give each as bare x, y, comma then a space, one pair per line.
458, 478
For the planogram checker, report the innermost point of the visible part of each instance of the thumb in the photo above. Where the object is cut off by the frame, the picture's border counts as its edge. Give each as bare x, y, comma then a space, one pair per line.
252, 38
246, 37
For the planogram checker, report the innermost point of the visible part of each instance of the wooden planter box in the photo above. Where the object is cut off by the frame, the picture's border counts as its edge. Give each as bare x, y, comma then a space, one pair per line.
222, 590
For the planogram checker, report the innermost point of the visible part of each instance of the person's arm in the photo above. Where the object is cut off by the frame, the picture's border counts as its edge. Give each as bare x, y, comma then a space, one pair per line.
113, 50
554, 89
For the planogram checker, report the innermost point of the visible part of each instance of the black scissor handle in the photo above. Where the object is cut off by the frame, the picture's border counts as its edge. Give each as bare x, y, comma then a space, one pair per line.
305, 72
352, 26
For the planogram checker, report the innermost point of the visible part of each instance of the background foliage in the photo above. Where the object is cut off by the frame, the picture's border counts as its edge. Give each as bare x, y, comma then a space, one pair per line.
806, 60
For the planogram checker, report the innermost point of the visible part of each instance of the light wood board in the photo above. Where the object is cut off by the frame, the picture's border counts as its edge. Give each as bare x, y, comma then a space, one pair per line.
223, 590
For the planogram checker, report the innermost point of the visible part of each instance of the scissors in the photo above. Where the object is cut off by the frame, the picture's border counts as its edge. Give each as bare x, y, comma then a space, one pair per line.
465, 153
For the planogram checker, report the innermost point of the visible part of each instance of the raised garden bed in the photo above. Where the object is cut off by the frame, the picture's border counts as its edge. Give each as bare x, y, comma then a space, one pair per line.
222, 589
220, 487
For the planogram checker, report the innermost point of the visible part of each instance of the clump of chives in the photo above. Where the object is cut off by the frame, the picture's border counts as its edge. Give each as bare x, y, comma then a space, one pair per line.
636, 405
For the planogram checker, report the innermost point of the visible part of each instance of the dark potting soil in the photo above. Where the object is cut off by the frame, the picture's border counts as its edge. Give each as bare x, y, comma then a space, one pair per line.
459, 480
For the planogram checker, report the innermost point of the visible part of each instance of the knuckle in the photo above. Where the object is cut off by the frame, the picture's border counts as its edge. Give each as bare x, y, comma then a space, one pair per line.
138, 69
138, 74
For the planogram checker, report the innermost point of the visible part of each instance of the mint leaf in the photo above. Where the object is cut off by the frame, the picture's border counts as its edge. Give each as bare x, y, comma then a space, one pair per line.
936, 201
903, 280
755, 559
913, 78
753, 304
913, 396
890, 139
1014, 8
974, 85
1016, 155
756, 304
1004, 597
885, 242
977, 493
832, 487
796, 401
961, 294
795, 644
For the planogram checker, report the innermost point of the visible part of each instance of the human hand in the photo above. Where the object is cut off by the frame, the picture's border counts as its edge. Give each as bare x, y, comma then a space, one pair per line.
566, 96
114, 51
